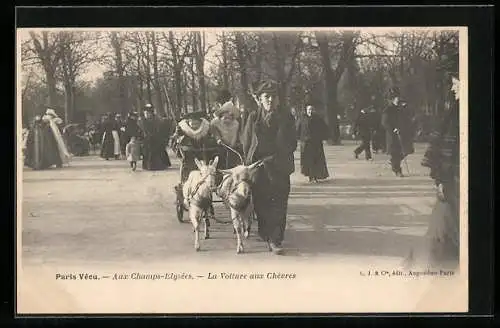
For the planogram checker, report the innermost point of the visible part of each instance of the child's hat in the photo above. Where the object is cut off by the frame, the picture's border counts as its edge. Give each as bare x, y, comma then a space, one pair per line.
51, 112
148, 108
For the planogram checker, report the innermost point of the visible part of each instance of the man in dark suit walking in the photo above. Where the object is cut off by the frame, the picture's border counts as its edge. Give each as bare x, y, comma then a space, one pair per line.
269, 135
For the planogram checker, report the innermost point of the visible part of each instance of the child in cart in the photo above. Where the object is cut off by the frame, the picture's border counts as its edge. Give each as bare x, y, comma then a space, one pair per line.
192, 139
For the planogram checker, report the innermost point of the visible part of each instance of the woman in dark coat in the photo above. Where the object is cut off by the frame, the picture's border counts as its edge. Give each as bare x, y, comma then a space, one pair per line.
41, 147
110, 147
312, 131
155, 141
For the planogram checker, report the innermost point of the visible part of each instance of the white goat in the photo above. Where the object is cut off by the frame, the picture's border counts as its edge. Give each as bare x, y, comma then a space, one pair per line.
197, 192
236, 192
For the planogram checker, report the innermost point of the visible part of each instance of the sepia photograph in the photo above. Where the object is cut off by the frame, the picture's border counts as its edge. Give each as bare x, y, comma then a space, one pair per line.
242, 170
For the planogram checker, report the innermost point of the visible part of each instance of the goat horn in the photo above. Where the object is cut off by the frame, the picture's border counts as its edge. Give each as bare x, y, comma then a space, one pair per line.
228, 171
258, 163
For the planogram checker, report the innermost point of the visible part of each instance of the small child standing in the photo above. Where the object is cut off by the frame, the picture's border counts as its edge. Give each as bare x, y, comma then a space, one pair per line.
133, 152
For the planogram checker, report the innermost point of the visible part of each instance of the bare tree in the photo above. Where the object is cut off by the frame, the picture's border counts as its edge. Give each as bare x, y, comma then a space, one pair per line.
333, 75
78, 50
286, 51
242, 54
117, 44
194, 100
156, 73
225, 59
44, 50
200, 50
179, 49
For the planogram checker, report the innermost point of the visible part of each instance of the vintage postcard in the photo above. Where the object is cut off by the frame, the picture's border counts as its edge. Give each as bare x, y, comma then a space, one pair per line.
242, 170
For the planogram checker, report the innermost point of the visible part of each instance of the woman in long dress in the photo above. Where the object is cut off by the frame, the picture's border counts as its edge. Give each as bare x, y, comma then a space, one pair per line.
45, 146
110, 147
155, 140
312, 131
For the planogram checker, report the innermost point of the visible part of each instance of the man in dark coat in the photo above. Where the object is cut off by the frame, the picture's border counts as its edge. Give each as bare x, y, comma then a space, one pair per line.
399, 137
377, 132
155, 140
363, 128
269, 135
312, 131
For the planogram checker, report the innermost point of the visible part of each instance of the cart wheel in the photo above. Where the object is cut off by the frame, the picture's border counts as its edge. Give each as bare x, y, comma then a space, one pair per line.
180, 212
179, 203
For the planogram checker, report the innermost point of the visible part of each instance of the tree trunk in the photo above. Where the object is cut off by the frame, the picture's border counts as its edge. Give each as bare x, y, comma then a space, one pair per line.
117, 46
332, 78
68, 117
184, 83
241, 58
141, 82
280, 72
194, 99
156, 76
225, 73
178, 89
330, 89
74, 109
177, 67
49, 54
52, 90
200, 67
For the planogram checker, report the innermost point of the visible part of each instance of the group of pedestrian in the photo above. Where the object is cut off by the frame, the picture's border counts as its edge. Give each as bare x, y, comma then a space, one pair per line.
137, 138
391, 131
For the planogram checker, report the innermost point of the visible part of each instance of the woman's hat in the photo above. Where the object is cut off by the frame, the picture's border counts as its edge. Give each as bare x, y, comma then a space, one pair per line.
148, 108
194, 115
228, 107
